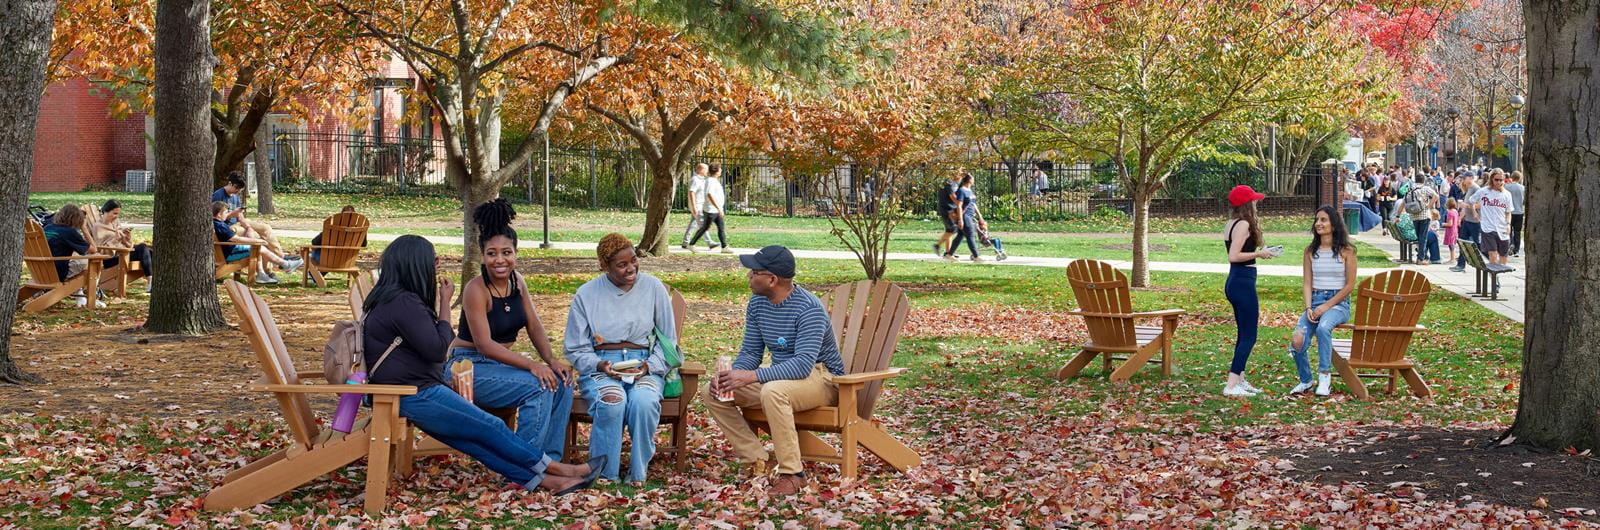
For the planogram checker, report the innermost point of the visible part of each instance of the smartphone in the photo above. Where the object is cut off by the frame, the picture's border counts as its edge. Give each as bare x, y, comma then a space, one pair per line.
626, 366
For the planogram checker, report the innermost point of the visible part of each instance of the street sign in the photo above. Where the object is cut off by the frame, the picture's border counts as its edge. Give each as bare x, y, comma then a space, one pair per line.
1514, 129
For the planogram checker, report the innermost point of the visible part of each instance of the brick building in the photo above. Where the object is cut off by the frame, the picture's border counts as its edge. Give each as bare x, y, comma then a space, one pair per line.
79, 144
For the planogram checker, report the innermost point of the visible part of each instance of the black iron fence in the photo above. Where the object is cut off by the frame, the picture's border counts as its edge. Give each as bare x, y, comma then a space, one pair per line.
591, 177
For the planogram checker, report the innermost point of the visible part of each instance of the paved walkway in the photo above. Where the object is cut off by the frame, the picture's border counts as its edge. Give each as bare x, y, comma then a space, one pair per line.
1512, 284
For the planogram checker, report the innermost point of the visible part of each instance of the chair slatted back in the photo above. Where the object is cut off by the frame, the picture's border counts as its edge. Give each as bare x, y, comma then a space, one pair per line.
1392, 299
867, 318
34, 245
255, 318
218, 256
680, 313
344, 229
1473, 253
359, 290
91, 217
1103, 290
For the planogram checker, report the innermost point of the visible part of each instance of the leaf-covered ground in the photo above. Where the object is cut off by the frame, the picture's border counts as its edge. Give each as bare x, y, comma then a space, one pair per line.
1003, 442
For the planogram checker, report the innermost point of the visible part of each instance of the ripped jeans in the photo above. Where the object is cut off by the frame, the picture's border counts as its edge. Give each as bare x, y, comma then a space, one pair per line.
1322, 331
541, 415
614, 404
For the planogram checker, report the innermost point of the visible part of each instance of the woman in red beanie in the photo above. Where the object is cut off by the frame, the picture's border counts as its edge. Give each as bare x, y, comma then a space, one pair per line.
1242, 238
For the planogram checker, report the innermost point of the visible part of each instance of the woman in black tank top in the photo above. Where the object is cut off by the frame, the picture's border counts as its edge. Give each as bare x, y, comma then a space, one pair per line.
495, 308
1241, 240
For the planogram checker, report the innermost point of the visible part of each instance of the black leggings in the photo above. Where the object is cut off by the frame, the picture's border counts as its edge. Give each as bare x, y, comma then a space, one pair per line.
1241, 291
140, 254
965, 233
705, 223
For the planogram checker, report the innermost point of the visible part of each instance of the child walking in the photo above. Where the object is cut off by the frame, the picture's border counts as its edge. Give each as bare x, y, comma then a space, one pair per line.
1452, 226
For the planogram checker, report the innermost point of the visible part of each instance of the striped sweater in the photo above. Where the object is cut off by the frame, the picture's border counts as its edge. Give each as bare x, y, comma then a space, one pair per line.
796, 331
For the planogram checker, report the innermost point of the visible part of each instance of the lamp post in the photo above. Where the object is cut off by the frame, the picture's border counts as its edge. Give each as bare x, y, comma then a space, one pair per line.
1516, 141
1449, 143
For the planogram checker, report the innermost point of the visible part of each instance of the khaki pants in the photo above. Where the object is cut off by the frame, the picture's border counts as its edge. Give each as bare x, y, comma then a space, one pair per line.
264, 231
779, 400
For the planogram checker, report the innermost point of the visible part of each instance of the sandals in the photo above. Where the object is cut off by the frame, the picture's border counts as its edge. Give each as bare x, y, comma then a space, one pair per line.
596, 466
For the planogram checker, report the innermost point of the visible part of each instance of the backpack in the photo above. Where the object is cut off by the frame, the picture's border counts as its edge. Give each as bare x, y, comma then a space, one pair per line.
1413, 202
345, 352
1407, 230
669, 350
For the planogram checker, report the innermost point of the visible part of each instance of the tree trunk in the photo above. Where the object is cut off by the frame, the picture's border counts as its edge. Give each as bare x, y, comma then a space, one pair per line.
473, 195
1141, 239
25, 28
657, 207
263, 173
184, 299
1560, 398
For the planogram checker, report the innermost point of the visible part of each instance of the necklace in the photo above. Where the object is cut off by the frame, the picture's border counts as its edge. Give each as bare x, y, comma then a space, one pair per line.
505, 305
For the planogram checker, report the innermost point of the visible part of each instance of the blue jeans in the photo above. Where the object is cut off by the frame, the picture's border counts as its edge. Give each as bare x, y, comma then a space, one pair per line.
1322, 330
1241, 291
637, 406
445, 415
541, 415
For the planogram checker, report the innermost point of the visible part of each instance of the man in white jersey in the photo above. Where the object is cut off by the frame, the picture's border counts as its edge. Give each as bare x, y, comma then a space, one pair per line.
1494, 211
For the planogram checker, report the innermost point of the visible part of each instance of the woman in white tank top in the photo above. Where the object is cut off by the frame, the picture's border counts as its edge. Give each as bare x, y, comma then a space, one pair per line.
1330, 275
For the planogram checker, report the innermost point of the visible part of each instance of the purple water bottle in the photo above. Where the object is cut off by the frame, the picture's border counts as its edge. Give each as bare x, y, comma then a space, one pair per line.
344, 417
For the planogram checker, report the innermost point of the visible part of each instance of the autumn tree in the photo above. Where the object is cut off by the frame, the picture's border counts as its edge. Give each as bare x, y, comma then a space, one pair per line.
185, 300
1149, 84
288, 56
1481, 60
25, 28
1559, 405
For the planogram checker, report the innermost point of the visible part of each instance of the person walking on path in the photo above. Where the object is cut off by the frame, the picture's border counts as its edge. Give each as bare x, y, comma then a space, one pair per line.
1386, 198
1242, 238
1329, 265
788, 321
1494, 211
945, 207
1518, 197
1420, 203
967, 227
711, 212
1469, 218
697, 196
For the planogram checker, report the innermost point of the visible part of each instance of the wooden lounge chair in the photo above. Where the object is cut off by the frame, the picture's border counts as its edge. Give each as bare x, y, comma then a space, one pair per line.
313, 451
113, 280
359, 287
344, 235
247, 266
674, 411
867, 318
1486, 282
1106, 306
1385, 318
43, 279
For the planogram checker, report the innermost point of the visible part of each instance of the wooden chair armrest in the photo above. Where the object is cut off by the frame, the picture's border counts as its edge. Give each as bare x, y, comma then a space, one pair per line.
1161, 314
1418, 327
308, 247
382, 390
692, 368
866, 377
67, 258
115, 249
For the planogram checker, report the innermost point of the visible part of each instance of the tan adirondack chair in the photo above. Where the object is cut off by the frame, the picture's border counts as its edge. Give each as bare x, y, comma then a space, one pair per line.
113, 280
1387, 309
1106, 306
246, 266
43, 279
344, 235
313, 451
867, 318
674, 411
358, 292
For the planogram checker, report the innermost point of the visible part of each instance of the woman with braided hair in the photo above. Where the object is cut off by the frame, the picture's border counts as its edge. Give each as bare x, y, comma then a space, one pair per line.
495, 307
611, 325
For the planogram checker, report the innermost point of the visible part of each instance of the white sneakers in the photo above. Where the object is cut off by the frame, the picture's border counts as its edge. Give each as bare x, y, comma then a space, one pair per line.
81, 301
1324, 381
263, 277
291, 264
1237, 391
1300, 389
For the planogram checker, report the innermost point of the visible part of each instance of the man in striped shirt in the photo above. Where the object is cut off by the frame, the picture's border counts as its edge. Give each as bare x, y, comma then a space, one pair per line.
790, 322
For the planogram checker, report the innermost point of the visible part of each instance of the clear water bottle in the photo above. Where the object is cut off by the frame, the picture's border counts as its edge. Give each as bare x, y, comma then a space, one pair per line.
344, 417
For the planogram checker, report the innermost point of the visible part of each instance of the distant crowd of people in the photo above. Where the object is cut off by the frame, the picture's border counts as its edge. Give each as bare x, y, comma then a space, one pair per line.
1433, 208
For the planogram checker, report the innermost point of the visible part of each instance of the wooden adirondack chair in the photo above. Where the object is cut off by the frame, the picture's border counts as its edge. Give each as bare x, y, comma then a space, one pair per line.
313, 451
43, 279
1106, 306
344, 235
245, 266
359, 288
867, 318
1385, 318
113, 280
674, 411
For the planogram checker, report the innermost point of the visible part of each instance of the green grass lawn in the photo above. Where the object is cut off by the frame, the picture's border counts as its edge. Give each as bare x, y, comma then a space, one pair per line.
1098, 237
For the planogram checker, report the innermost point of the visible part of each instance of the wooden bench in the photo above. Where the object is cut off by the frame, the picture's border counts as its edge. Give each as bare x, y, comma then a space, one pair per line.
1486, 283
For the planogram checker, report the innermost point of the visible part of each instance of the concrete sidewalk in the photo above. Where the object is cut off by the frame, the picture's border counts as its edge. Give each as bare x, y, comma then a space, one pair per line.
1057, 263
1512, 284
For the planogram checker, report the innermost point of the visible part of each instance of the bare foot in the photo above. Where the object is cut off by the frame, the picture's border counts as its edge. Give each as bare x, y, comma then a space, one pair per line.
568, 470
553, 482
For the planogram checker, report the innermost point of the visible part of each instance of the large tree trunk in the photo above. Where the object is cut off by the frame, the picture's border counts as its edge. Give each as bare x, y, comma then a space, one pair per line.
473, 195
263, 173
1141, 239
184, 299
658, 206
25, 27
1560, 400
